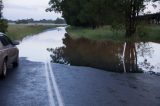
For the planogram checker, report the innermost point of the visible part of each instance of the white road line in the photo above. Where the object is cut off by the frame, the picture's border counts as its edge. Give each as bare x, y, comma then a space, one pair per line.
50, 92
124, 57
58, 94
124, 50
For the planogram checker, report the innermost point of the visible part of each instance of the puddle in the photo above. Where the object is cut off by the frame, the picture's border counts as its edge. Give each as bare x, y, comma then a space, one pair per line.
130, 57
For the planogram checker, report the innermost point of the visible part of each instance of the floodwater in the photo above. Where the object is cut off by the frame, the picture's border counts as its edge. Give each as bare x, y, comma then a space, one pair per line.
56, 46
34, 48
130, 57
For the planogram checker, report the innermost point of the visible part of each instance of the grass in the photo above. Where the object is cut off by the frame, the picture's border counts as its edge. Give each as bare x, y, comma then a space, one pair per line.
97, 34
152, 33
147, 33
18, 32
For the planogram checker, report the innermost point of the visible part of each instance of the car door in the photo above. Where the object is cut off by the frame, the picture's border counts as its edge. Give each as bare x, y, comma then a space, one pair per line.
9, 48
1, 56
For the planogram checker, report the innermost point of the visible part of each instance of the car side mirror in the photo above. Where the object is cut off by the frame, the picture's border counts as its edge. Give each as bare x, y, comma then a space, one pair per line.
15, 43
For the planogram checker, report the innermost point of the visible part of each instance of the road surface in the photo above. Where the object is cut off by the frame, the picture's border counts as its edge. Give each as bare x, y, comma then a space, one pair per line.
37, 82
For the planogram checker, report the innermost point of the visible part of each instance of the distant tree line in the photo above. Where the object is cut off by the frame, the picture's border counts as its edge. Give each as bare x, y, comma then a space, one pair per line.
3, 22
97, 13
26, 21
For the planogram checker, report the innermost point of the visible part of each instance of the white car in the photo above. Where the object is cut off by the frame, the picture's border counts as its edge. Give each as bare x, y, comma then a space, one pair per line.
9, 54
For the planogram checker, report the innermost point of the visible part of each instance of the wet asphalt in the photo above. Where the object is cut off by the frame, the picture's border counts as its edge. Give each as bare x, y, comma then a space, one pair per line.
77, 86
84, 86
24, 86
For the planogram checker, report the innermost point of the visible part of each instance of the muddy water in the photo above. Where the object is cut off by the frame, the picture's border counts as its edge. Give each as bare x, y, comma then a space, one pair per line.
131, 57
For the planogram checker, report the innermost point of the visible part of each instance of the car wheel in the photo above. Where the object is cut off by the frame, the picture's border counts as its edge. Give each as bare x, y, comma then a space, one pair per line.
16, 63
4, 70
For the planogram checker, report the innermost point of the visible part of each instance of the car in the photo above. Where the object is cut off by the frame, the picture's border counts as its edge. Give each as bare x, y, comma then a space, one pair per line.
9, 54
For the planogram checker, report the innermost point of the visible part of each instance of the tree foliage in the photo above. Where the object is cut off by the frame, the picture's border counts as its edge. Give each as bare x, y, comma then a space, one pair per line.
96, 13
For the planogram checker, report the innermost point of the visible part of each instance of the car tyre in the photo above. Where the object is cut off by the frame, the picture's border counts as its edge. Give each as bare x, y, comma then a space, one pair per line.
4, 70
16, 63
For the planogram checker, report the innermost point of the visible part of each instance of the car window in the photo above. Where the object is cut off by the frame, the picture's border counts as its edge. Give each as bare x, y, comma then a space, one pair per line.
5, 41
8, 40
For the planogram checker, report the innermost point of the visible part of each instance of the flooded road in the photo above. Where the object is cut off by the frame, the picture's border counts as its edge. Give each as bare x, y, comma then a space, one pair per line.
38, 82
33, 83
131, 57
34, 48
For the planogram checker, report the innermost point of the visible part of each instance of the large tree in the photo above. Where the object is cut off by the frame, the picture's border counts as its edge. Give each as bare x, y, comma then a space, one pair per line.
129, 11
97, 13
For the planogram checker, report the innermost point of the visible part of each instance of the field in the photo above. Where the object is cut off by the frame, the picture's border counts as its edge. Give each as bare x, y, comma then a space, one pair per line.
144, 33
18, 32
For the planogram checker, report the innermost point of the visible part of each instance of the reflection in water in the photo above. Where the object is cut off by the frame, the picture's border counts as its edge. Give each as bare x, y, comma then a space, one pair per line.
130, 58
111, 56
145, 50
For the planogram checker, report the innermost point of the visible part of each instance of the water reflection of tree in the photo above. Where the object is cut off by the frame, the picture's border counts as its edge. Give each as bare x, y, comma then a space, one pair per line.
144, 49
130, 57
58, 55
97, 54
104, 55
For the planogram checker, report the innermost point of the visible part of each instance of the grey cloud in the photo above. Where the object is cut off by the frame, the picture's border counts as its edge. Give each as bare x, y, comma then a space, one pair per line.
19, 7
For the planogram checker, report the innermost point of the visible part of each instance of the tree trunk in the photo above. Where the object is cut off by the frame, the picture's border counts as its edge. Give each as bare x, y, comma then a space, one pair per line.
130, 23
130, 27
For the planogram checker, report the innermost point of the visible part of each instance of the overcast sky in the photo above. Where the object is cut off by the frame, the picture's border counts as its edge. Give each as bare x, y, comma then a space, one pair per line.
151, 8
22, 9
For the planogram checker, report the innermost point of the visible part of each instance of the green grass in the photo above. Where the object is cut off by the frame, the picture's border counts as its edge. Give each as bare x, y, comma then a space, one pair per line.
149, 33
152, 33
96, 34
18, 32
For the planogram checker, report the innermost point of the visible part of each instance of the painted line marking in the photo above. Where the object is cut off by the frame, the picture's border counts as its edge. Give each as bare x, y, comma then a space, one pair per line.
58, 94
124, 57
50, 92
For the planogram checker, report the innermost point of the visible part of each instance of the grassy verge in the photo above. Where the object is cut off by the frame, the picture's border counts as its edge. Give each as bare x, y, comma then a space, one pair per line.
18, 32
148, 33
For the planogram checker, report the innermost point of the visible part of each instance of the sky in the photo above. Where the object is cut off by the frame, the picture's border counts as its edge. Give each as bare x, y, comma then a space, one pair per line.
23, 9
150, 8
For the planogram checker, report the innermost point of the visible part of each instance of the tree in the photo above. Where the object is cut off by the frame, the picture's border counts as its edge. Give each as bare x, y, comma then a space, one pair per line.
3, 22
96, 13
59, 21
128, 10
86, 13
